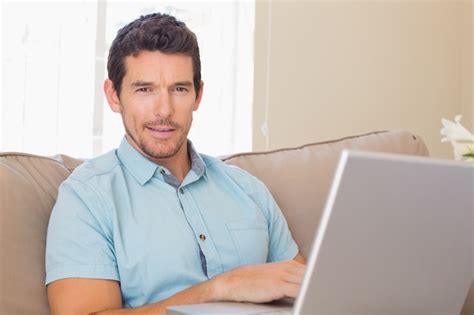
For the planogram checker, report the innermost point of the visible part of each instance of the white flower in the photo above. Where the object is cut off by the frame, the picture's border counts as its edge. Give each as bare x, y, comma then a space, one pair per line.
461, 139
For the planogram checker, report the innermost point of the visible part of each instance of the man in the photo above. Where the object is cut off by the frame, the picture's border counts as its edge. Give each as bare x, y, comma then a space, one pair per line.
154, 223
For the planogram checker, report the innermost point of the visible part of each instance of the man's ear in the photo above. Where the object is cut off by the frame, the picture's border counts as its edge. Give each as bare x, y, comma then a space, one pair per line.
112, 96
199, 96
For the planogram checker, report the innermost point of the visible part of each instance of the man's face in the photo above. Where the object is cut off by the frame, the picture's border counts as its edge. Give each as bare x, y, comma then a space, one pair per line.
157, 101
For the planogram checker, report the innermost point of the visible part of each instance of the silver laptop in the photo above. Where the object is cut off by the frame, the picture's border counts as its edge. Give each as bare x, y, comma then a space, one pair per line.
395, 237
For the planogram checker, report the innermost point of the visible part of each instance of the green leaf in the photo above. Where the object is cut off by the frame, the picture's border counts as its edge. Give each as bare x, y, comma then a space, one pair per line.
469, 155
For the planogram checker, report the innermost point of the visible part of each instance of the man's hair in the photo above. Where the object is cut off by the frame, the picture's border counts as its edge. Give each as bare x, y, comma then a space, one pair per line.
152, 32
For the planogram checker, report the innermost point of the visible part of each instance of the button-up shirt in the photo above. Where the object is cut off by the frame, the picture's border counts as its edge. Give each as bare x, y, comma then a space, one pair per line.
123, 217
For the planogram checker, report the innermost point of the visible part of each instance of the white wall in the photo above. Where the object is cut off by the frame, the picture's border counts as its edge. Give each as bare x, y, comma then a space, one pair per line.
328, 69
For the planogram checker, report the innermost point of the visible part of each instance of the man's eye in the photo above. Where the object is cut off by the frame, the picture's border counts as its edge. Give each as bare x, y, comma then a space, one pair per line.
144, 89
181, 89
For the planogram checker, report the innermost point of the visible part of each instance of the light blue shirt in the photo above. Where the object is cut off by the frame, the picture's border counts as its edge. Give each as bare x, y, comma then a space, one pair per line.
122, 217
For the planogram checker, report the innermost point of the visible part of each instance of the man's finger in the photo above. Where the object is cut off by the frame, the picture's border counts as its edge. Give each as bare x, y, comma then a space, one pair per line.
293, 278
299, 269
291, 290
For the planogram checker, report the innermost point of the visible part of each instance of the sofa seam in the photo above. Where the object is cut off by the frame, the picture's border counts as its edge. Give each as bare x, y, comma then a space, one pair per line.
229, 157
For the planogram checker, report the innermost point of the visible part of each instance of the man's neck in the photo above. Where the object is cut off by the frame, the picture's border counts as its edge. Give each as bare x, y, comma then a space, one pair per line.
179, 164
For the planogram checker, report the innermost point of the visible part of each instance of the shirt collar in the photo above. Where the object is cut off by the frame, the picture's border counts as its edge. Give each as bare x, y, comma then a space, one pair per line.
143, 169
197, 163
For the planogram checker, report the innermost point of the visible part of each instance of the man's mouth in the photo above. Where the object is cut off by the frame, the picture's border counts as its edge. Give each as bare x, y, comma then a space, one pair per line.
161, 129
161, 132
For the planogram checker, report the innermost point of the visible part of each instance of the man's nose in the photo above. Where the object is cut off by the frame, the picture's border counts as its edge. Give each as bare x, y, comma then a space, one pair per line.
163, 106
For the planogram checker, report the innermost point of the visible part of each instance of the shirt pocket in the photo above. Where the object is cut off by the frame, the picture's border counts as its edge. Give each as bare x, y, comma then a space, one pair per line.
251, 239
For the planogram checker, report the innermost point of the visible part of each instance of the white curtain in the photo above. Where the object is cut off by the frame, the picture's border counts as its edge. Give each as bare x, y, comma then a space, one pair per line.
53, 65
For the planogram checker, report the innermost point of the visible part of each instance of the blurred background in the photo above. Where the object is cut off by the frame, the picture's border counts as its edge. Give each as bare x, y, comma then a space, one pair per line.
54, 65
277, 73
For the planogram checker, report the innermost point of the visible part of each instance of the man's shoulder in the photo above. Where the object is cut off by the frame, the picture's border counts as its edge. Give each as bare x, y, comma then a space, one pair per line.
99, 166
88, 188
216, 164
237, 174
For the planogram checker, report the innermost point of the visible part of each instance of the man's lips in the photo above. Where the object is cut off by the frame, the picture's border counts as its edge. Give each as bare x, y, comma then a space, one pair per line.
161, 129
161, 132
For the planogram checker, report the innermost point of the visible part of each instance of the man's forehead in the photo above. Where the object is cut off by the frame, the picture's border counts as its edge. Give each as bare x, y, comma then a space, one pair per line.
158, 56
152, 65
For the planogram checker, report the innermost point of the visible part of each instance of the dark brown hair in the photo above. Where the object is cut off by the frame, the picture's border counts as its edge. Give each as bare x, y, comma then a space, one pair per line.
152, 32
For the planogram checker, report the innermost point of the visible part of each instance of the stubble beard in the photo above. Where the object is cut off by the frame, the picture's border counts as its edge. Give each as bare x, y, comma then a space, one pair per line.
158, 149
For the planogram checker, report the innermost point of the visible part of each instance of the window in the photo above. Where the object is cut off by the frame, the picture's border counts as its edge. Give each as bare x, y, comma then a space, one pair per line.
54, 63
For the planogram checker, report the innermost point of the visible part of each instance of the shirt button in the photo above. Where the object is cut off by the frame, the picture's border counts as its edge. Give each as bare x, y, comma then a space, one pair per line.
202, 237
181, 190
162, 171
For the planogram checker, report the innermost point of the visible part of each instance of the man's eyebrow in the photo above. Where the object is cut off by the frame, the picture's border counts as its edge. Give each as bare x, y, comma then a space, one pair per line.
145, 83
141, 83
183, 83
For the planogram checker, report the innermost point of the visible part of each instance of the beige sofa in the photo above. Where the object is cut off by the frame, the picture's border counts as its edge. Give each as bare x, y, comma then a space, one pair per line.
299, 179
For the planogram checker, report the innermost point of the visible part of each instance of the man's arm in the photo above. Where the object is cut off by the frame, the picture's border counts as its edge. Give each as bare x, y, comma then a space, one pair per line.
255, 283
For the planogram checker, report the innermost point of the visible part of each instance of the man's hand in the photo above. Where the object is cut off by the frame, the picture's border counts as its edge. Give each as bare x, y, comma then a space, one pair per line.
260, 283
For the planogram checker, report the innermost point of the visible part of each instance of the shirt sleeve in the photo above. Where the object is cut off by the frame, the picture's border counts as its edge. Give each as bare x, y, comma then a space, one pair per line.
79, 239
282, 246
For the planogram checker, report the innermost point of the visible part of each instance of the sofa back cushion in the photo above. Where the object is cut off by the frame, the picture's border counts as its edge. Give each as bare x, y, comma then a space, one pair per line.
300, 178
28, 189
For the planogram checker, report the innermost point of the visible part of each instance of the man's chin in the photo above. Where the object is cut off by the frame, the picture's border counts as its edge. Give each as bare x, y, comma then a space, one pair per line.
163, 155
160, 153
